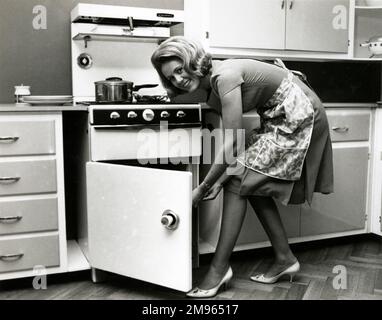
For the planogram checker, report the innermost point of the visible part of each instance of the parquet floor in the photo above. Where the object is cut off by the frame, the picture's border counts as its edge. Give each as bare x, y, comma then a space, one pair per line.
359, 256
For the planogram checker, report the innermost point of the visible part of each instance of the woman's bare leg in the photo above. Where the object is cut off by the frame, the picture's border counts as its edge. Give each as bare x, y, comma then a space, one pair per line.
268, 214
234, 210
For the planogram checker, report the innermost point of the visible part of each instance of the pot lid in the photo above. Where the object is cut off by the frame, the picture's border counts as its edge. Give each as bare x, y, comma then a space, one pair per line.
114, 81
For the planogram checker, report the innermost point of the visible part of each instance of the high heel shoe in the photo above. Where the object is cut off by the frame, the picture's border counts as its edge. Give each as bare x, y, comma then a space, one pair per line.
291, 271
202, 293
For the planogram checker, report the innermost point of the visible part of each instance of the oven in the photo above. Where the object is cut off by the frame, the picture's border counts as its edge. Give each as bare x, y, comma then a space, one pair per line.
139, 181
141, 155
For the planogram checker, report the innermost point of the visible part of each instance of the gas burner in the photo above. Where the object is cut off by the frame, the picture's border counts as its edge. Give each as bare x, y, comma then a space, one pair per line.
151, 99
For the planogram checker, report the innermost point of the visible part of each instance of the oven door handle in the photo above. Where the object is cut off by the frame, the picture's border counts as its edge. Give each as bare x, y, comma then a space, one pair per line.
147, 126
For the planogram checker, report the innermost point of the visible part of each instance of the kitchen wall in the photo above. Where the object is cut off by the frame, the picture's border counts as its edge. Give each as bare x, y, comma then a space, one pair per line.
42, 58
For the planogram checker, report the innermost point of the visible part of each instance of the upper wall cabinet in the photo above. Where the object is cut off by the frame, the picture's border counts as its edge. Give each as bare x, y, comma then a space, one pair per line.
280, 24
317, 25
294, 29
247, 24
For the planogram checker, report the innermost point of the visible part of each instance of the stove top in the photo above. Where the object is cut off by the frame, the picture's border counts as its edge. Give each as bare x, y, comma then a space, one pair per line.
94, 103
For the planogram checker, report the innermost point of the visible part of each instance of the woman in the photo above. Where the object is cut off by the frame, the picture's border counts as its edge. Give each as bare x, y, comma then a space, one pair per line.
288, 158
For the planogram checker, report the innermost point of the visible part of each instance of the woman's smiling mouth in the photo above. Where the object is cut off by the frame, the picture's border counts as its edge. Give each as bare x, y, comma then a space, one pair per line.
186, 84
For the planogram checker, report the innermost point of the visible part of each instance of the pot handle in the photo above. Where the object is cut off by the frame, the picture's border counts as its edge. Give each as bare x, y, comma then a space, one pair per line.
142, 86
114, 79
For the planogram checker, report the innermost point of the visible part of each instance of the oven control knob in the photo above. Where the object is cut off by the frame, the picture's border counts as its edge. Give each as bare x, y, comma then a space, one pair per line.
165, 115
148, 115
114, 115
170, 220
132, 115
180, 114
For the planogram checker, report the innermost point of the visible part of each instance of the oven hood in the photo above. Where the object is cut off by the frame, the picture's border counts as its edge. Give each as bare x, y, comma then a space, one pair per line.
109, 14
123, 21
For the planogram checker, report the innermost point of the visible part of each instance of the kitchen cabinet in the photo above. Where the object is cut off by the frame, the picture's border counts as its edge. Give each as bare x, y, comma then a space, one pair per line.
32, 202
375, 221
290, 29
278, 24
317, 25
346, 209
32, 221
367, 23
247, 24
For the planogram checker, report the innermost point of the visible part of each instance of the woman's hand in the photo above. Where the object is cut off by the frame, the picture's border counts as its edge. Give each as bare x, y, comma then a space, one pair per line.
203, 193
197, 195
213, 192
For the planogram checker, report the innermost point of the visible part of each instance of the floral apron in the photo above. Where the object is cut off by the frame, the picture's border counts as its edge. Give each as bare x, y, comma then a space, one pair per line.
279, 147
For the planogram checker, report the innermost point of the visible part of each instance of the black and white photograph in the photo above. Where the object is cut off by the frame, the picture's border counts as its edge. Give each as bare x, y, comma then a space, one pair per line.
147, 148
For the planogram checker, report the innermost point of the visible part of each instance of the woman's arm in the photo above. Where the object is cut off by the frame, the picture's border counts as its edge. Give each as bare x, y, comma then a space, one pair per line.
232, 125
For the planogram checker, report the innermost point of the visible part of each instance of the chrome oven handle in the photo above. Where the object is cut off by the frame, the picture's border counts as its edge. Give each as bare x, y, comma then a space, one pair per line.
143, 126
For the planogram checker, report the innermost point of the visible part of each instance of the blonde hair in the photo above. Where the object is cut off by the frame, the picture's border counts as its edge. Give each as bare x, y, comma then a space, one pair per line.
195, 60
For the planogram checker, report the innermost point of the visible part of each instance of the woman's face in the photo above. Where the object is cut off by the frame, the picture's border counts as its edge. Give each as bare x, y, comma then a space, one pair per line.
174, 72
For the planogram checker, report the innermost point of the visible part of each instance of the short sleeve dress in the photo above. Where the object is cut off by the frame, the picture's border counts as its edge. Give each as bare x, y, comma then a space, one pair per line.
290, 156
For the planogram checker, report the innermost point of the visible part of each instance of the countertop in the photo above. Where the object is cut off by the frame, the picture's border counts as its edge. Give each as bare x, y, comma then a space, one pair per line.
350, 105
11, 107
332, 105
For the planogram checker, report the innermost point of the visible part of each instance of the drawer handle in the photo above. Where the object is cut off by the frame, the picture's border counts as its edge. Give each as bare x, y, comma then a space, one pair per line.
13, 219
341, 129
11, 257
9, 139
9, 179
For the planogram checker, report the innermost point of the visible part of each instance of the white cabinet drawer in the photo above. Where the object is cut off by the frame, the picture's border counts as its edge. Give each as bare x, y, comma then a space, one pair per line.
27, 138
26, 253
349, 126
27, 177
28, 216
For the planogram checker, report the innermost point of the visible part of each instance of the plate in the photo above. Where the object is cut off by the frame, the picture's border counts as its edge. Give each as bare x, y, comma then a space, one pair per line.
48, 103
47, 98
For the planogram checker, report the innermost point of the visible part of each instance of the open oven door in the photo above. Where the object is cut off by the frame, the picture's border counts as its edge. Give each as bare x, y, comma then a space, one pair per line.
140, 223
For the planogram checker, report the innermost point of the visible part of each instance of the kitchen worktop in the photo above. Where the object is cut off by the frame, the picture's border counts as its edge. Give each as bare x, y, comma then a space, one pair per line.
350, 105
331, 105
11, 107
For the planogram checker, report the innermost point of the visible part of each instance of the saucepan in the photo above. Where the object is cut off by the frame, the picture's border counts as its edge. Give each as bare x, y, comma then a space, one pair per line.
116, 90
374, 44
